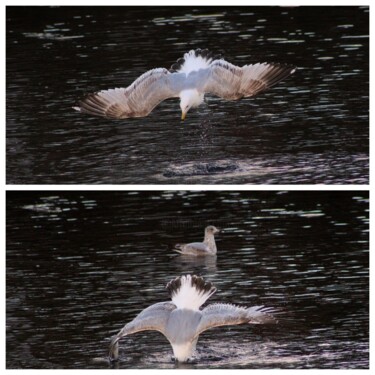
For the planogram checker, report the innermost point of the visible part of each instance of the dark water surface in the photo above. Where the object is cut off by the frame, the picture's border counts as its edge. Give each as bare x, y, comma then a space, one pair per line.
311, 128
82, 264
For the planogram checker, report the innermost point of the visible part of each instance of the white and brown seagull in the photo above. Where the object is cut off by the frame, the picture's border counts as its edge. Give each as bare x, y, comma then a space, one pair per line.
198, 73
199, 249
181, 320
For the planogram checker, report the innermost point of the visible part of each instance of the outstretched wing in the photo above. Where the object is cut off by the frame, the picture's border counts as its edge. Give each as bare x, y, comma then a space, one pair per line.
220, 314
137, 100
262, 315
232, 82
153, 318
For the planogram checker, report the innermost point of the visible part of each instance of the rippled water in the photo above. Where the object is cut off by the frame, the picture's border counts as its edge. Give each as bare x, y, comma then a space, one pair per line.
311, 128
82, 264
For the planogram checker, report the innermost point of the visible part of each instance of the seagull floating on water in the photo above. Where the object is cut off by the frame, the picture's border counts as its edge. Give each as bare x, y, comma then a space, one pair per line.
207, 247
190, 78
181, 320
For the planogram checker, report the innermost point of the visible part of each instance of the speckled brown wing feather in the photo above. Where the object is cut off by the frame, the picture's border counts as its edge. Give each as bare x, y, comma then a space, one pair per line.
137, 100
232, 82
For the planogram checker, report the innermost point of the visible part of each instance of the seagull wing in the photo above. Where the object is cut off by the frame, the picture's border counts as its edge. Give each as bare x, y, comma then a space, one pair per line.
153, 318
137, 100
232, 82
221, 314
195, 248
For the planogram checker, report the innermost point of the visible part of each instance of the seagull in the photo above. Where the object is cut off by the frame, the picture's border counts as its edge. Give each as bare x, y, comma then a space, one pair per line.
181, 320
190, 78
207, 247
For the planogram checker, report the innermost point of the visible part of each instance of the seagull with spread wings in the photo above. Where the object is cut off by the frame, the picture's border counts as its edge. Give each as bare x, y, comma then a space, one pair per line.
181, 320
198, 73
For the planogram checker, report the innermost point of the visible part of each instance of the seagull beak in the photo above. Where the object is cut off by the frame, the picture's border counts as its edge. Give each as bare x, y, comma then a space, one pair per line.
183, 115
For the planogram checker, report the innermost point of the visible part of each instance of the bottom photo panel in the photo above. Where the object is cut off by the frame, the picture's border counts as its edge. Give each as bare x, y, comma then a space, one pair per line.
187, 279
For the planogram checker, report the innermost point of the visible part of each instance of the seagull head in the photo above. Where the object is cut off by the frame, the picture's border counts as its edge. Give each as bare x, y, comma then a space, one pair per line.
212, 229
188, 99
184, 109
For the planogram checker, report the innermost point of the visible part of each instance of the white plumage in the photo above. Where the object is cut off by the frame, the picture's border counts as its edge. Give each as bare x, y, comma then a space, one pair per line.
189, 296
197, 73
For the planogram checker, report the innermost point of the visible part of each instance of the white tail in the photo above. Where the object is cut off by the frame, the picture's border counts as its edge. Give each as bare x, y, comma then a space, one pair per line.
190, 292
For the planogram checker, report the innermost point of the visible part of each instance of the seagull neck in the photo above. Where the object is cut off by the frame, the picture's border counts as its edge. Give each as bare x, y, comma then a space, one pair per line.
192, 97
209, 240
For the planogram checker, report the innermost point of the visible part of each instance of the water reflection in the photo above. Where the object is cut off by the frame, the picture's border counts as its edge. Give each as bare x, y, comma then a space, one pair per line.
81, 264
316, 121
195, 264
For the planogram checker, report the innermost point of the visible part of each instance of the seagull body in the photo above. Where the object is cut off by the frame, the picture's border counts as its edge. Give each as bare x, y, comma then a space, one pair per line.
207, 247
190, 78
181, 320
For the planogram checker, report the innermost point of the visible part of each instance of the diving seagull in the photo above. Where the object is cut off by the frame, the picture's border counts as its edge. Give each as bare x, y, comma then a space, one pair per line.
198, 73
207, 247
181, 320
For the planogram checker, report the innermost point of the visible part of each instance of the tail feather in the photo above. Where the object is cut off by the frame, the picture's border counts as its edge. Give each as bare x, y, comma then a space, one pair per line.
178, 248
190, 292
194, 60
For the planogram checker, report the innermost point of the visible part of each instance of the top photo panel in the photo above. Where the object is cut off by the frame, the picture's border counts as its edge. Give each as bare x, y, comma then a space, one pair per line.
187, 95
